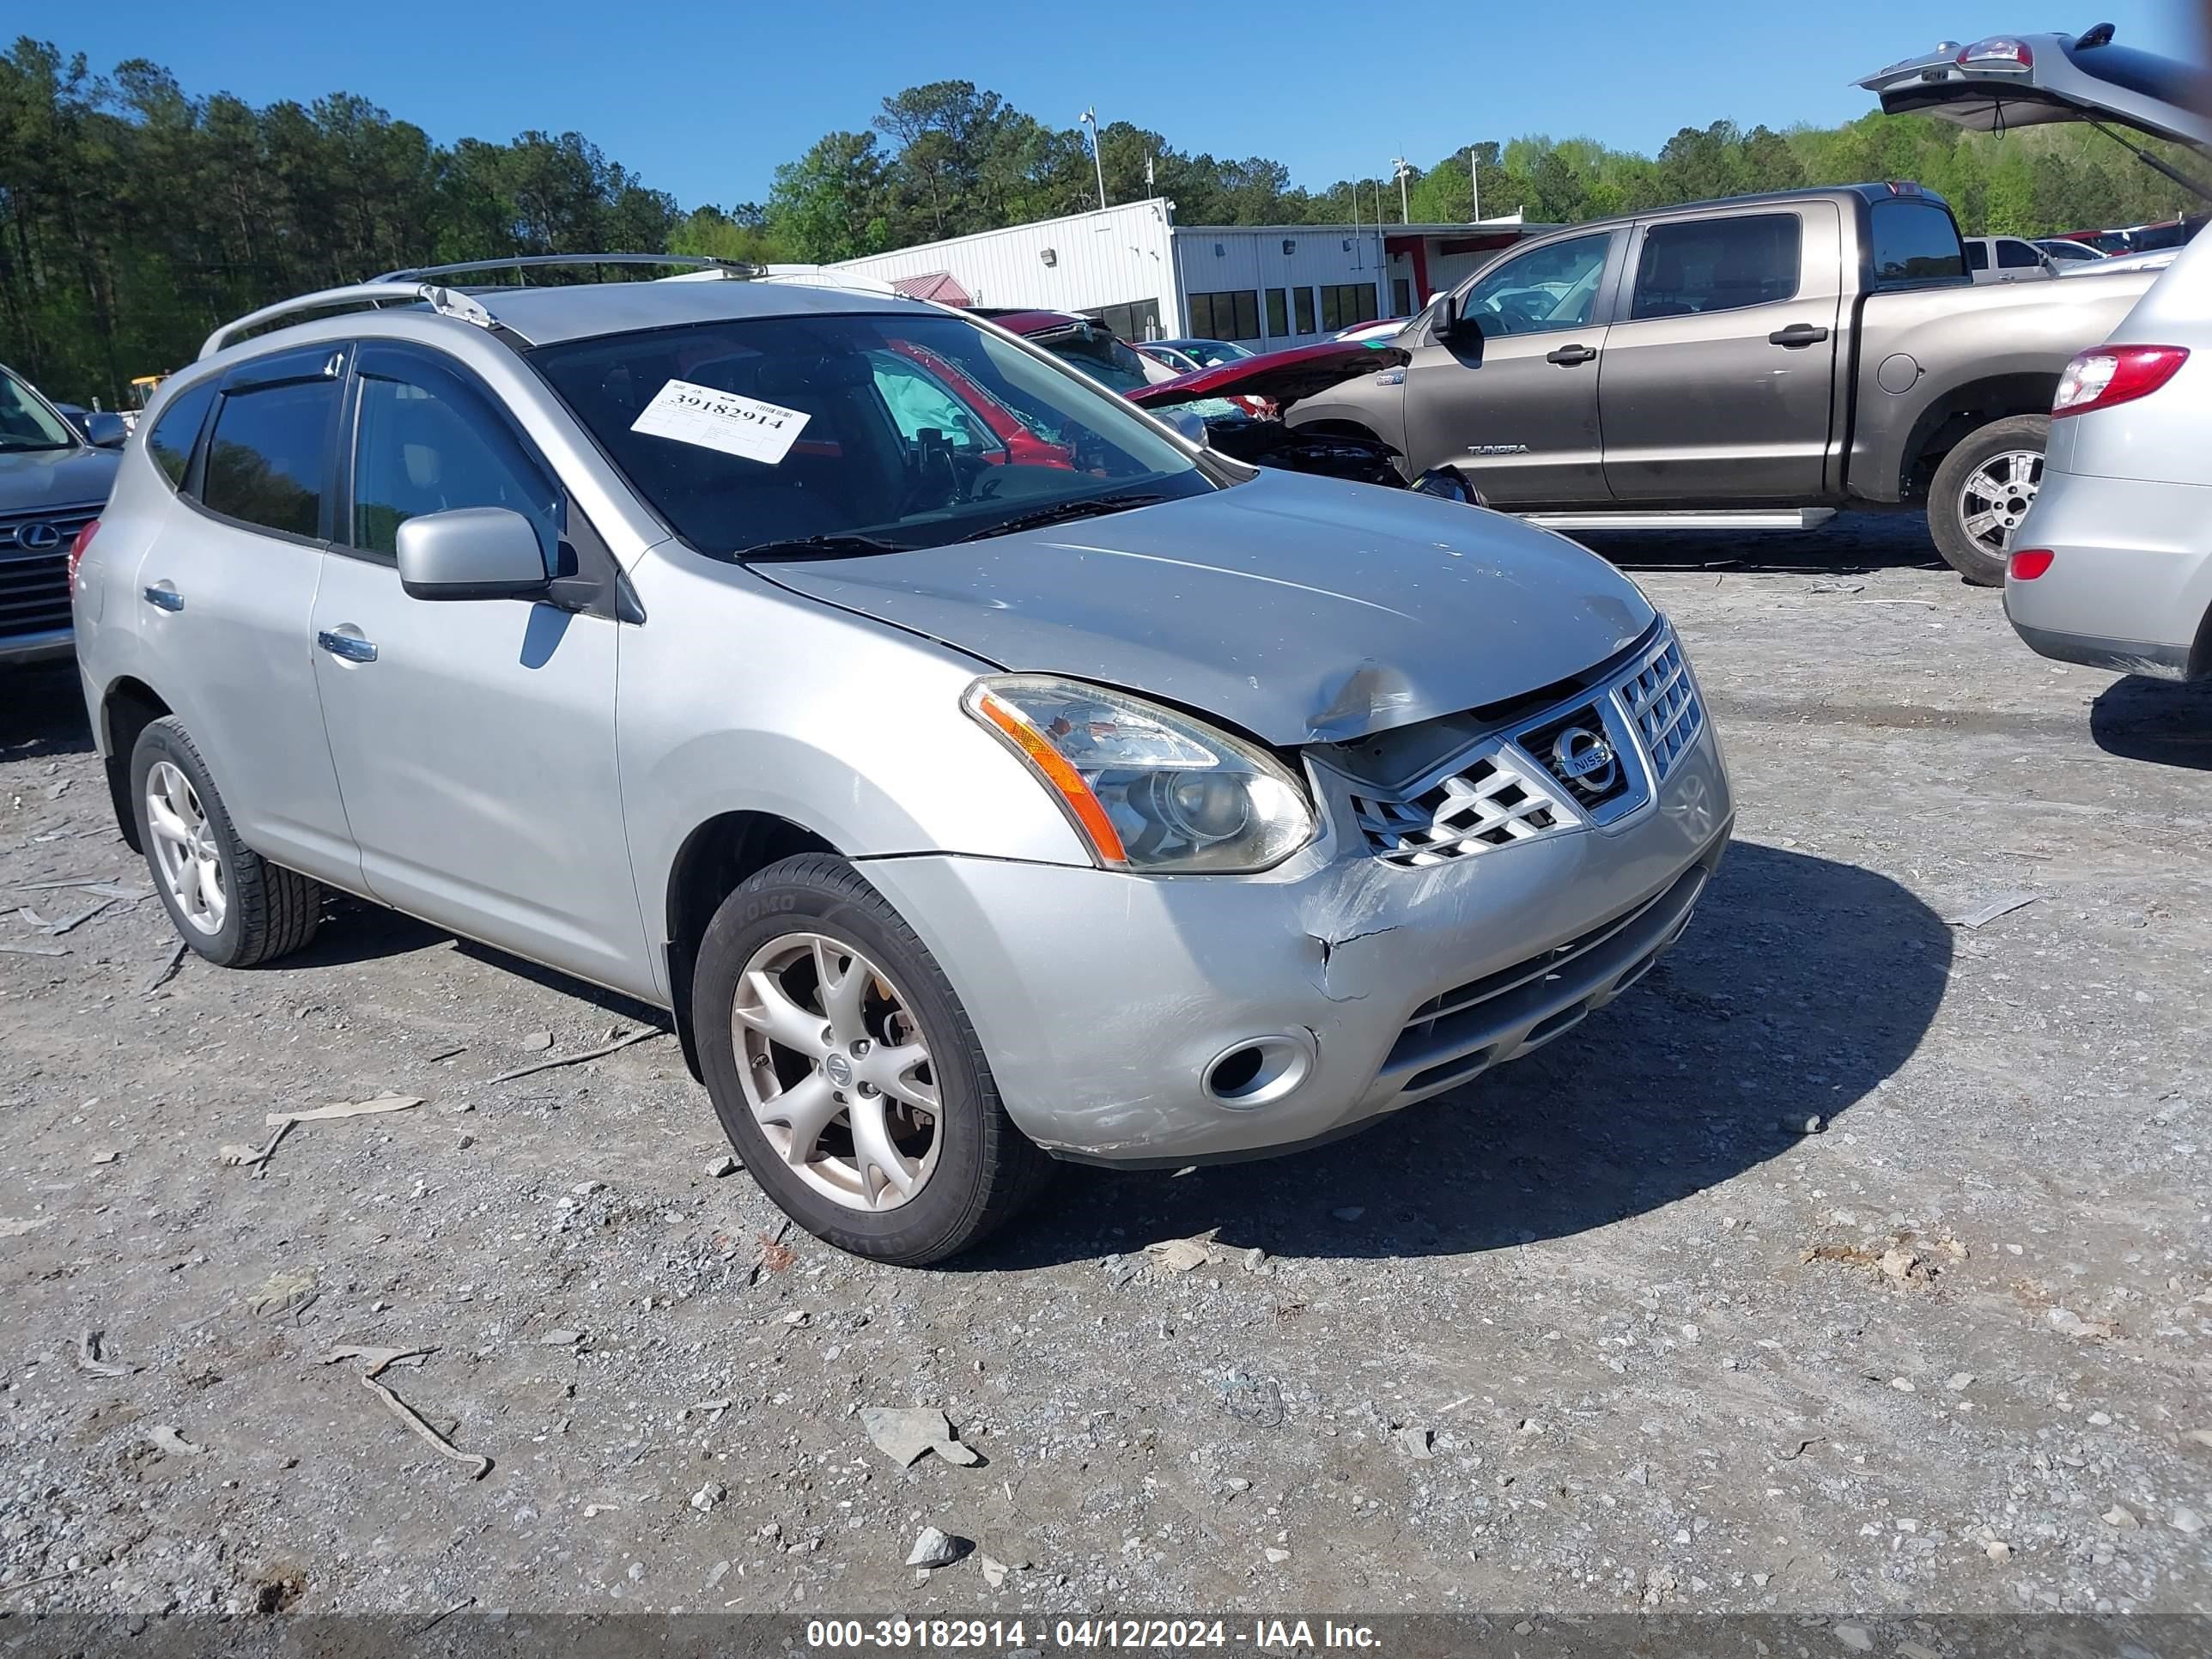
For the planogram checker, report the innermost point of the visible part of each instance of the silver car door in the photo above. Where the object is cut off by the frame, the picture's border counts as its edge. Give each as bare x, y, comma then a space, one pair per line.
224, 592
474, 737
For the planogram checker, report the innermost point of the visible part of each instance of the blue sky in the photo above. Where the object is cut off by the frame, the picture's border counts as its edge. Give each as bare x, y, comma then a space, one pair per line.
705, 100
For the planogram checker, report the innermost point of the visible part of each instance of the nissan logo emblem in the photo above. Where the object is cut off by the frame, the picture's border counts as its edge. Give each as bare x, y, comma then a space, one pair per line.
37, 538
840, 1070
1585, 759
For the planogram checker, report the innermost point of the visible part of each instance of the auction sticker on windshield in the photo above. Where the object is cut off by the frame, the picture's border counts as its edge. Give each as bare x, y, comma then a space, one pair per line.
746, 427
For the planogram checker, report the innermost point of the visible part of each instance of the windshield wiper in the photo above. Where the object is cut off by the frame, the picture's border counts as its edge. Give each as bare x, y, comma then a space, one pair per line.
1088, 506
821, 547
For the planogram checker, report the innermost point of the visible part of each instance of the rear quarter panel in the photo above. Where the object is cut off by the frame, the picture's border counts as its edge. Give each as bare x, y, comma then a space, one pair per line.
1941, 346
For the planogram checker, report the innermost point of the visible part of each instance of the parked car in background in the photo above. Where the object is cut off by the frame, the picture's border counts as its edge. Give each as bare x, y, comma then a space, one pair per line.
2150, 260
2101, 241
53, 478
1756, 363
959, 862
1381, 329
2113, 567
2007, 259
2065, 252
1161, 352
1201, 354
1083, 343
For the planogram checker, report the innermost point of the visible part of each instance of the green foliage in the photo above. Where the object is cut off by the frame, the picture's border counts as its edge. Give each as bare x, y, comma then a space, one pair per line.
134, 217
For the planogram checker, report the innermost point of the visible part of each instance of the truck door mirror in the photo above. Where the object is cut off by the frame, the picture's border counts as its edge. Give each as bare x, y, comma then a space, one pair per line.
1454, 327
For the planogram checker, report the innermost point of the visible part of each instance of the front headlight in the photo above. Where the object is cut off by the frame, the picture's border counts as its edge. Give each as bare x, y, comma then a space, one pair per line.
1146, 788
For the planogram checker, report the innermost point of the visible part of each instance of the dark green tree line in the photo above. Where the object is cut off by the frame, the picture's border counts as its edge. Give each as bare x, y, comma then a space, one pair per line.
134, 217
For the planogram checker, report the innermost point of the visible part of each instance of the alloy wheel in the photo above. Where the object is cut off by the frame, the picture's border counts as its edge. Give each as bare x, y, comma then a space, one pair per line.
185, 849
1995, 497
836, 1069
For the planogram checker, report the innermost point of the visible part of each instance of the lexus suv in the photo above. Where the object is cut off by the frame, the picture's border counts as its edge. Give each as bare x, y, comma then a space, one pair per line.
53, 477
966, 805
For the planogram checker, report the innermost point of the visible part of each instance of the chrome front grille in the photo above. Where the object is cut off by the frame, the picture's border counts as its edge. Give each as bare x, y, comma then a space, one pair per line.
1595, 759
1662, 701
1490, 801
34, 596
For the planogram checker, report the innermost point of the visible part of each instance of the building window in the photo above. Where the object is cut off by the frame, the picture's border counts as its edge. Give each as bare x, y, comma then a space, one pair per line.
1140, 319
1306, 325
1401, 296
1347, 305
1231, 315
1279, 312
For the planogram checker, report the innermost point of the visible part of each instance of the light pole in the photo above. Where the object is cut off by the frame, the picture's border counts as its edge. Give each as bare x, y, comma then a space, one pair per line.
1405, 171
1474, 183
1089, 118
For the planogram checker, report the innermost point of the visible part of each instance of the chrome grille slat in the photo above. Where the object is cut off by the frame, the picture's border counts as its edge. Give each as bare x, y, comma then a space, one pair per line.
1661, 702
34, 596
1490, 801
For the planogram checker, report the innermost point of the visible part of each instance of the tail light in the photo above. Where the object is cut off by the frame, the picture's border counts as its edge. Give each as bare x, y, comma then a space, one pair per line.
77, 549
1998, 52
2028, 563
2107, 375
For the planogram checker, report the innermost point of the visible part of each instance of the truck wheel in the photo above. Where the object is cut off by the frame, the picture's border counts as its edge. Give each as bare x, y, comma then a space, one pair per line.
846, 1074
1982, 491
232, 905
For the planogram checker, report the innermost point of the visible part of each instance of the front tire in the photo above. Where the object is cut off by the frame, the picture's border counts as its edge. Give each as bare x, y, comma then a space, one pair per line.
846, 1072
1982, 491
232, 905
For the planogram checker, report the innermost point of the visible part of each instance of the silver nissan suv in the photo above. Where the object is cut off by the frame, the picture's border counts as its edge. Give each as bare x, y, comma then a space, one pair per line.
978, 772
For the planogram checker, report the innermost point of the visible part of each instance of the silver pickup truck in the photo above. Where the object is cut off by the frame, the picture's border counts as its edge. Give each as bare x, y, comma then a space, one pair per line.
1762, 361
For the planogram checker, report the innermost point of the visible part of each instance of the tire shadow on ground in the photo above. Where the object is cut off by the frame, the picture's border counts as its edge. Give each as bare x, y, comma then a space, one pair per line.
1802, 984
2166, 724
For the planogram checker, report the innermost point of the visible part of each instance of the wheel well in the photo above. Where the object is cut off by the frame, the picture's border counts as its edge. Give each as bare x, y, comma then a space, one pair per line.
127, 709
714, 860
1964, 410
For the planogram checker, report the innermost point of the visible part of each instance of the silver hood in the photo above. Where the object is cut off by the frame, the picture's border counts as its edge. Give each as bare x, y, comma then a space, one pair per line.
34, 479
1300, 608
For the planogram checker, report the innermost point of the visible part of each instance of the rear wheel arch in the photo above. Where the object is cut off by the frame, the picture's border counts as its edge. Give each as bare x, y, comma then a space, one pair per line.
714, 860
128, 708
1949, 419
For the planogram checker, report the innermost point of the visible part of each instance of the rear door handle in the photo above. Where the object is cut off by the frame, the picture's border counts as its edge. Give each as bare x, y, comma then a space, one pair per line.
1797, 334
1568, 356
350, 648
165, 597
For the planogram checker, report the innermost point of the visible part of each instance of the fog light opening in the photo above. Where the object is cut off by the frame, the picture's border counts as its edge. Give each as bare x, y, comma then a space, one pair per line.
1260, 1071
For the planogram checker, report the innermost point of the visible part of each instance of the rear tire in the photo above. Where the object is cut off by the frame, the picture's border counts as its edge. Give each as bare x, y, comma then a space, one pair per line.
232, 905
1982, 491
972, 1170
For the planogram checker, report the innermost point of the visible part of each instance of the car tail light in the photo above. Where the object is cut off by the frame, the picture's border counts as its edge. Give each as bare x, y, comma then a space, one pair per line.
2107, 375
77, 547
1998, 52
2028, 563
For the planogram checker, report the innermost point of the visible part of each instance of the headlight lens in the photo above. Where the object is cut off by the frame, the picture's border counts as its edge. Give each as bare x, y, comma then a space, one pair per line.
1147, 787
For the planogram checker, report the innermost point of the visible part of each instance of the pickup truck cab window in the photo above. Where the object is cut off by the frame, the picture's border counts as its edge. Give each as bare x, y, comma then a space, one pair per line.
1702, 265
1914, 244
2012, 254
1550, 288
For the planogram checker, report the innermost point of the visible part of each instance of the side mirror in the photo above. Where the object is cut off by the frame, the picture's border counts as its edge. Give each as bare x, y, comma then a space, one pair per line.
1454, 327
104, 429
1187, 421
470, 553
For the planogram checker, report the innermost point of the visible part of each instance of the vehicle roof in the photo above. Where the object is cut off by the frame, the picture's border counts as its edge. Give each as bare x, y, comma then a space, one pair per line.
581, 310
1867, 193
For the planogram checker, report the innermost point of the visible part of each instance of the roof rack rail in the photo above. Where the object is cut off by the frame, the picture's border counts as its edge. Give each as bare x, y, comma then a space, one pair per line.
446, 301
735, 270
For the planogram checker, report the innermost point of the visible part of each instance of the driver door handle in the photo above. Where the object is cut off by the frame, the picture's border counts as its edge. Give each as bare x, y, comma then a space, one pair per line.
1797, 334
162, 597
351, 647
1569, 356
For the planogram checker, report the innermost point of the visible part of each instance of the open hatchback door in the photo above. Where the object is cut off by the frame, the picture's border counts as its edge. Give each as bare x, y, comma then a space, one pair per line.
2011, 80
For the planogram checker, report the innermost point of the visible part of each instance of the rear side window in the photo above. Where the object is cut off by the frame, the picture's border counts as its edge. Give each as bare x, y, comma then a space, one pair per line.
170, 443
1915, 242
1717, 264
427, 442
269, 457
2016, 256
1977, 256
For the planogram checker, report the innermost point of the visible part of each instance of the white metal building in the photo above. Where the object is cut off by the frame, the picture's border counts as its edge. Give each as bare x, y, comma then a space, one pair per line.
1148, 277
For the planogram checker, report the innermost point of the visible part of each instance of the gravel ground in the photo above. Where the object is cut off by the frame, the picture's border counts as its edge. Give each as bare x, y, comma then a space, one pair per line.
1607, 1330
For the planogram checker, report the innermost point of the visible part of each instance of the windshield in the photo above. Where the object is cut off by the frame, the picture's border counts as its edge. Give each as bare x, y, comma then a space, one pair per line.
813, 436
25, 423
1114, 364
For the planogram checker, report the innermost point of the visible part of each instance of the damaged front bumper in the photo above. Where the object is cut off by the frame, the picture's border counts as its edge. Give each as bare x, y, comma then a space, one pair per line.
1106, 1002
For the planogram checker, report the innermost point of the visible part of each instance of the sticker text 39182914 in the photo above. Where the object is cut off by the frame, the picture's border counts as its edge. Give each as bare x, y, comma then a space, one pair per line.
736, 425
